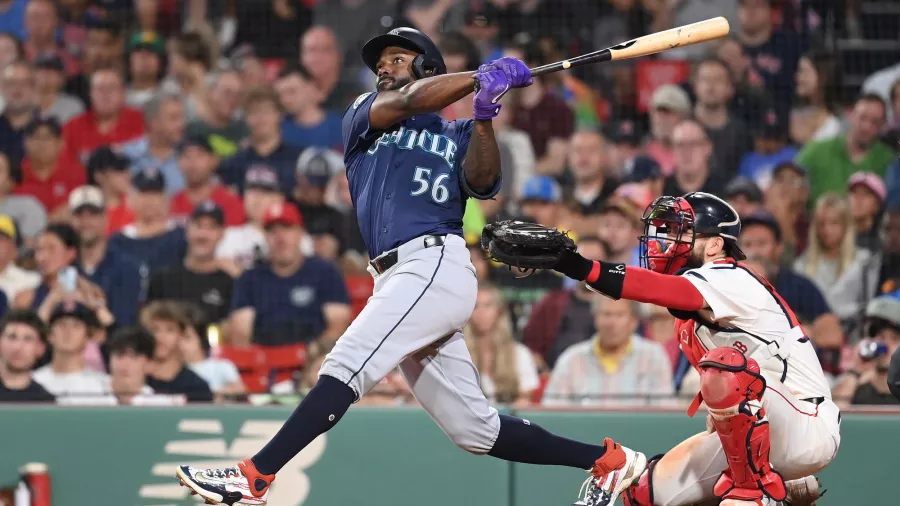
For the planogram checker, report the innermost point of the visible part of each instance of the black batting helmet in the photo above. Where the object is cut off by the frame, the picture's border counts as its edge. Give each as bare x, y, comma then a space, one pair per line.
428, 63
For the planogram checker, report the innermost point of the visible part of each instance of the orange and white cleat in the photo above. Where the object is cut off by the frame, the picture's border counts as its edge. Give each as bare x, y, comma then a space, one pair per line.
615, 471
241, 484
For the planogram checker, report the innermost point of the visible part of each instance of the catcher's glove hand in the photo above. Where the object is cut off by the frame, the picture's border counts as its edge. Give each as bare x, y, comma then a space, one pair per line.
526, 246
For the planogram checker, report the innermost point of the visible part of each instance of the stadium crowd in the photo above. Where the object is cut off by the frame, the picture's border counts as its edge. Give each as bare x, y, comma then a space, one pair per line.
176, 225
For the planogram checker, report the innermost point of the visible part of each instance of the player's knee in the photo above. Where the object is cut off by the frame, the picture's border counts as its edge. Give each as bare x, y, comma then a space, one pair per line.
472, 434
728, 378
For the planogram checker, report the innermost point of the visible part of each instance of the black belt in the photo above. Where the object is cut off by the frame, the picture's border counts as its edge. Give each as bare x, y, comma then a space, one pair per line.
389, 259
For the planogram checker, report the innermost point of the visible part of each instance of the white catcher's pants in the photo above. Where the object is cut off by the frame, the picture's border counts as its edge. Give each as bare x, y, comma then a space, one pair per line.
413, 320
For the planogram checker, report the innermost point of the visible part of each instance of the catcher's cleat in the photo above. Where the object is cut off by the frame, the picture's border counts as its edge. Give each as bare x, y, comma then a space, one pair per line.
241, 484
615, 471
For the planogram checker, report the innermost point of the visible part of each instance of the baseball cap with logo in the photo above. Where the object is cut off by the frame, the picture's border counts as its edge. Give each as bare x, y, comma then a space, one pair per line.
317, 165
86, 197
147, 40
671, 97
261, 177
149, 180
209, 209
7, 227
625, 131
871, 181
771, 126
104, 158
543, 188
282, 214
72, 309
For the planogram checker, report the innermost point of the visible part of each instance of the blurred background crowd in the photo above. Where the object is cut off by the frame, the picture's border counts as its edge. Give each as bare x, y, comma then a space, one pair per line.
176, 225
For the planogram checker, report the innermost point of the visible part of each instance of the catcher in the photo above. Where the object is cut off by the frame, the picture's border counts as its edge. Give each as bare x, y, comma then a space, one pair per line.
771, 417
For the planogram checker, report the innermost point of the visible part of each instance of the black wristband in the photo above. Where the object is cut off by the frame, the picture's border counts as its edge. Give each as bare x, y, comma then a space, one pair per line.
573, 265
611, 280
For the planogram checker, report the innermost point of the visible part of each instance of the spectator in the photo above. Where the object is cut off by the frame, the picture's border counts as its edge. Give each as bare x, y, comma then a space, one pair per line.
220, 124
770, 147
542, 201
832, 255
866, 194
47, 173
563, 317
546, 118
817, 87
646, 174
74, 329
305, 122
292, 299
11, 49
220, 374
22, 343
659, 327
75, 16
761, 241
119, 276
266, 147
744, 196
866, 381
54, 250
26, 211
620, 226
198, 163
245, 244
146, 66
102, 51
273, 27
12, 17
42, 29
13, 279
625, 139
787, 199
773, 53
616, 367
460, 52
668, 107
250, 66
322, 58
154, 240
49, 78
21, 106
190, 59
832, 162
589, 165
750, 96
692, 152
169, 322
506, 368
108, 122
337, 196
111, 172
200, 279
158, 149
516, 155
714, 88
315, 168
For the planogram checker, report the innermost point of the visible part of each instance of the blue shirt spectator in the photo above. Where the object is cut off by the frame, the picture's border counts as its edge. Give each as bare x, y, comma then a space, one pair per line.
758, 166
12, 17
326, 133
165, 119
138, 153
306, 123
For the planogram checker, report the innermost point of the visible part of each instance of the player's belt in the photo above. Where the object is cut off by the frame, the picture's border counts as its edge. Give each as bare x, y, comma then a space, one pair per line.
388, 259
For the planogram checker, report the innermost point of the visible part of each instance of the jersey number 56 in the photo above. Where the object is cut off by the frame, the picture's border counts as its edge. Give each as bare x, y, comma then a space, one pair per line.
439, 192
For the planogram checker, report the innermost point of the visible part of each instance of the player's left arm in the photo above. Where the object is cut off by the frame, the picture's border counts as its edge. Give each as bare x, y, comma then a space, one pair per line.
481, 165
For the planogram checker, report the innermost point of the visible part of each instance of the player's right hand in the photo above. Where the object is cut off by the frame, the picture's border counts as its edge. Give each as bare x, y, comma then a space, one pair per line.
492, 85
517, 73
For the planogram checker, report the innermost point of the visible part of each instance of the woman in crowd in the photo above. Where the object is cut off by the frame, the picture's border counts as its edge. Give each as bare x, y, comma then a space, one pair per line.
831, 256
507, 369
816, 89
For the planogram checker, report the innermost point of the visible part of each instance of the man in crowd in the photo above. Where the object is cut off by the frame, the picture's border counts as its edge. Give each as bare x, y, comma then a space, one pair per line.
108, 122
190, 60
220, 124
730, 137
42, 29
119, 276
131, 353
246, 244
72, 326
23, 341
198, 163
744, 196
321, 57
153, 239
103, 49
146, 58
620, 227
13, 279
616, 367
692, 152
263, 115
168, 321
26, 211
21, 106
588, 165
305, 122
111, 172
625, 140
164, 117
645, 175
541, 200
669, 105
831, 162
48, 174
49, 78
292, 298
315, 168
770, 147
866, 194
200, 279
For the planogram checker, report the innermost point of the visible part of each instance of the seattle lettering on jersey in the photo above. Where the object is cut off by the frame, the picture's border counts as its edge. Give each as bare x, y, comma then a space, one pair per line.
404, 138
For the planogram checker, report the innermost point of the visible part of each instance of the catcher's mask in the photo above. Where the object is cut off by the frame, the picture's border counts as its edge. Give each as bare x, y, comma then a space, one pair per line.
668, 237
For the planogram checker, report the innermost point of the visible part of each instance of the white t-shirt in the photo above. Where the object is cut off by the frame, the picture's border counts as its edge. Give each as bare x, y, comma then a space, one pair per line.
216, 372
754, 320
526, 371
81, 383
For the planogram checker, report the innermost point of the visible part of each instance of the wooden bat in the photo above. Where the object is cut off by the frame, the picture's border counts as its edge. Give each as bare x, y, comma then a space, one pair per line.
695, 33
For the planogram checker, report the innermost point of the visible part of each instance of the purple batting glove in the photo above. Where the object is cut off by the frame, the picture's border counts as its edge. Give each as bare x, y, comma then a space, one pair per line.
491, 85
515, 69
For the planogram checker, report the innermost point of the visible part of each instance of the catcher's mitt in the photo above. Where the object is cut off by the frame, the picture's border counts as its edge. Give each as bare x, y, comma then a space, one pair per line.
527, 246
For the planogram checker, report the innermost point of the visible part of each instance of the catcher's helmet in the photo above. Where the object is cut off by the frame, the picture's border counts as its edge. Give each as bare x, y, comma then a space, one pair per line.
672, 223
428, 63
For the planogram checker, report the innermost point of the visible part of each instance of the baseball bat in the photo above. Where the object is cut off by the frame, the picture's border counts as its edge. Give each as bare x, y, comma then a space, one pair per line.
687, 35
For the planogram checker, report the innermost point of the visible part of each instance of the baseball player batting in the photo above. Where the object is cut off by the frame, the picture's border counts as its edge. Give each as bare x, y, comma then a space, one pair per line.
771, 416
410, 174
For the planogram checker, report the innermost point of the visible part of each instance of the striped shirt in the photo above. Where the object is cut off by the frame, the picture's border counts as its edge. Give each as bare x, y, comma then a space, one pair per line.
643, 377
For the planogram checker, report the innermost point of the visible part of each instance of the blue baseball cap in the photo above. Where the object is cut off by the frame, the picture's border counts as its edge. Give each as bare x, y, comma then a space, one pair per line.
149, 180
542, 188
640, 169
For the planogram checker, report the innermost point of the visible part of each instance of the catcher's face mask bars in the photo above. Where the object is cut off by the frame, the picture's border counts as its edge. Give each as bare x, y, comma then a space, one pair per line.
668, 232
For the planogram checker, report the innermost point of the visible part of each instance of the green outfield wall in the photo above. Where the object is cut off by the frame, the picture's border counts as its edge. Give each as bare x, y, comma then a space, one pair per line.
378, 457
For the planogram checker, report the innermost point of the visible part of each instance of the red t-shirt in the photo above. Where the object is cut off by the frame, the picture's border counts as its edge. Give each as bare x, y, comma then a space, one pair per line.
231, 204
118, 217
53, 191
82, 136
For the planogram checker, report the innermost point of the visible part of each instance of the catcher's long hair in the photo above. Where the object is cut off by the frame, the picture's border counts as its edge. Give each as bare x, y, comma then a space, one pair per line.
499, 337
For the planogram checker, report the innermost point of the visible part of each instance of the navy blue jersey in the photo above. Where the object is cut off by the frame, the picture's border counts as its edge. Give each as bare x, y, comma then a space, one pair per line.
407, 181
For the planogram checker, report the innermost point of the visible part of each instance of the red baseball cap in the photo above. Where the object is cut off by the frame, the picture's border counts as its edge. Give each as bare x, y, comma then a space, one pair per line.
284, 214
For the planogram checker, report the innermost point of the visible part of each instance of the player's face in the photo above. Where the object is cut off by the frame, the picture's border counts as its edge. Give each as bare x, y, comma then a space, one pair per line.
394, 69
68, 335
20, 347
757, 241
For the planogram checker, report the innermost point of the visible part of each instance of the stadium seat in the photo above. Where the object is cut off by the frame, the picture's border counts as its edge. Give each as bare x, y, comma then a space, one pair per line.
360, 287
251, 364
284, 361
538, 393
